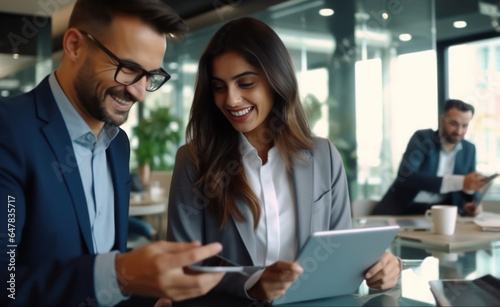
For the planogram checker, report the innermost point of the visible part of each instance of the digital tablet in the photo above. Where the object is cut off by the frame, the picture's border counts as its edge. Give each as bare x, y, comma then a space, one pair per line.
490, 178
405, 224
483, 291
335, 262
483, 191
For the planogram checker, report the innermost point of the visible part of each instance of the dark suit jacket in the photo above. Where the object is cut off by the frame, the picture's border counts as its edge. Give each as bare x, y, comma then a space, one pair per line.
417, 172
322, 204
54, 253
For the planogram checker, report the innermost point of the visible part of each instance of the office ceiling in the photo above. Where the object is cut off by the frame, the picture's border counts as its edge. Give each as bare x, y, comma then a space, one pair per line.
15, 14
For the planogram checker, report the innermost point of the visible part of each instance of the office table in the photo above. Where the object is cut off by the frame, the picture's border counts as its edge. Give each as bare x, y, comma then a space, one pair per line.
145, 206
421, 263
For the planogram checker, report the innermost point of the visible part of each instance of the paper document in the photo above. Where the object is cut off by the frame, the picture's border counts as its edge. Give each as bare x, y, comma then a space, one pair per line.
487, 223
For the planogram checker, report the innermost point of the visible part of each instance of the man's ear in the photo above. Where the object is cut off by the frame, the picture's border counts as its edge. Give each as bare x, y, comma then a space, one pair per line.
72, 44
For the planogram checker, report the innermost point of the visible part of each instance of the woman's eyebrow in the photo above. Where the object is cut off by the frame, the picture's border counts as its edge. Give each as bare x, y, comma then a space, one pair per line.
238, 75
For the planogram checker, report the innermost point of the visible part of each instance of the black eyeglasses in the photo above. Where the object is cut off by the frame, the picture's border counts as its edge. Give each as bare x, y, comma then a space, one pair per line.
129, 73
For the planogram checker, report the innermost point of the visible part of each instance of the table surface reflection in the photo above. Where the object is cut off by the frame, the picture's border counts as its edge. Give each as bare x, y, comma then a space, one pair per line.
420, 265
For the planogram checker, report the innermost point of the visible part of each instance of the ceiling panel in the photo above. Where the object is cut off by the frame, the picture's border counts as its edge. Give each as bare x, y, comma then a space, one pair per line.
32, 7
16, 18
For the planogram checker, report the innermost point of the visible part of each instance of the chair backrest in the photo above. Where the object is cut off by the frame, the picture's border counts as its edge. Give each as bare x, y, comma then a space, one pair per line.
363, 207
164, 178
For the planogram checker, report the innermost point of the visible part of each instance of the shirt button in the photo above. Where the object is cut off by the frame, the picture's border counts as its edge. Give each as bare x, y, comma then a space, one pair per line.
90, 137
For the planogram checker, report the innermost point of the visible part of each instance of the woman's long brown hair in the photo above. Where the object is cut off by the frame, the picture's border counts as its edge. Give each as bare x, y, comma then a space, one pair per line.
212, 141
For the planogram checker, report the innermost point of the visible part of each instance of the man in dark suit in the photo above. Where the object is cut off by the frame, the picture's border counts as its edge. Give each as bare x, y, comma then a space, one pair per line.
437, 167
64, 169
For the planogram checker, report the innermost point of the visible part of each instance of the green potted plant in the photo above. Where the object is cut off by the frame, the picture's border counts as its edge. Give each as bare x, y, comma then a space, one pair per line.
157, 135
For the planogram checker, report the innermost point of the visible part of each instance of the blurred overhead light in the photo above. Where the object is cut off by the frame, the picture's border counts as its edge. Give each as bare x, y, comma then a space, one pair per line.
167, 88
459, 24
288, 8
405, 37
15, 56
9, 84
189, 68
385, 16
318, 42
173, 65
326, 12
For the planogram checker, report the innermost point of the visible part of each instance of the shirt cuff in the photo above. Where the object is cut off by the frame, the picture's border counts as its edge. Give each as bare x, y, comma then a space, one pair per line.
107, 289
452, 183
252, 281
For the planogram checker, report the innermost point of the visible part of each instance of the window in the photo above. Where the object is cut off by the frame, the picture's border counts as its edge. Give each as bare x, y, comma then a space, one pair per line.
477, 81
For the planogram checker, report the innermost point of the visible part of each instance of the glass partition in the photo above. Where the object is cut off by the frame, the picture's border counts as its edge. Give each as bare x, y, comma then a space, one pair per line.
367, 75
396, 86
477, 81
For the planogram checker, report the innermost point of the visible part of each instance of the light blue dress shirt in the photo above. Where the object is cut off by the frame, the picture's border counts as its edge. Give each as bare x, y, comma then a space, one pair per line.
90, 154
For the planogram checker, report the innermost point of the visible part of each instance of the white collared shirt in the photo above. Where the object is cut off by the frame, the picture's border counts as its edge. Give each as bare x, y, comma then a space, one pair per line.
450, 182
273, 185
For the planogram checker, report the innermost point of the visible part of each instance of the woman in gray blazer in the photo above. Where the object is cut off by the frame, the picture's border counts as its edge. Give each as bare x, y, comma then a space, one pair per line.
252, 176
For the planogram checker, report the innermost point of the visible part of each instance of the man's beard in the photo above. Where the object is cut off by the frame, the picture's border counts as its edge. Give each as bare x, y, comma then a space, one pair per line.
449, 138
95, 106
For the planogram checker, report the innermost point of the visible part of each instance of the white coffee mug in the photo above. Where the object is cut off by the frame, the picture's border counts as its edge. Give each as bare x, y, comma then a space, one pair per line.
443, 217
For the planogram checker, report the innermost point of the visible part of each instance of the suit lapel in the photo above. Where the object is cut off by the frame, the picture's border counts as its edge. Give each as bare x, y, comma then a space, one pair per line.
434, 158
303, 176
303, 182
459, 167
118, 162
66, 167
246, 231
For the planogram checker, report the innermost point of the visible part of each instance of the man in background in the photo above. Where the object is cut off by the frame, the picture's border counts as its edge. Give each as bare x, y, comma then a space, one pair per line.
438, 167
64, 169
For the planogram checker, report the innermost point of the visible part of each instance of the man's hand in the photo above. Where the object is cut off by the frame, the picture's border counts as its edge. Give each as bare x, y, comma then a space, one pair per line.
474, 181
471, 210
275, 280
157, 270
385, 273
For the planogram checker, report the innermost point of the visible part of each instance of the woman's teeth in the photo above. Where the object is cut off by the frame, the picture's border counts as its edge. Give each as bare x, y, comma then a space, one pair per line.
242, 112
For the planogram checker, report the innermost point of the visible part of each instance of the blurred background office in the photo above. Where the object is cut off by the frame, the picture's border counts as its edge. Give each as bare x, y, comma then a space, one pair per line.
371, 72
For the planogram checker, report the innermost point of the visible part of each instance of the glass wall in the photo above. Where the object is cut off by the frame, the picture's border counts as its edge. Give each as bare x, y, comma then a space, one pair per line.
477, 81
396, 86
359, 81
368, 79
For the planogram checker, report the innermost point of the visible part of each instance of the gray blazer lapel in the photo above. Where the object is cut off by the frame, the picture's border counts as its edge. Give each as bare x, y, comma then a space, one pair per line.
303, 180
246, 231
303, 177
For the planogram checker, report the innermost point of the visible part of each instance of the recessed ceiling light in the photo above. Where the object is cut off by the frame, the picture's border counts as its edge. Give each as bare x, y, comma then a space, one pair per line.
385, 16
15, 56
326, 12
459, 24
405, 37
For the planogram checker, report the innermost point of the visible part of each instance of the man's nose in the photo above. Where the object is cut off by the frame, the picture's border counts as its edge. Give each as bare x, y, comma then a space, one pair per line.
138, 89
